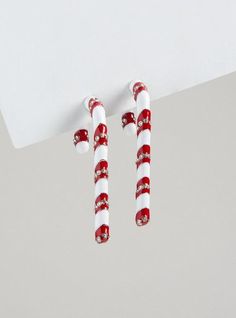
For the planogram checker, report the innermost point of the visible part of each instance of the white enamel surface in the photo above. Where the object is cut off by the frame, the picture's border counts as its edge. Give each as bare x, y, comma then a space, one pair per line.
101, 217
100, 153
130, 129
144, 138
82, 147
55, 53
143, 170
143, 99
143, 201
99, 116
101, 186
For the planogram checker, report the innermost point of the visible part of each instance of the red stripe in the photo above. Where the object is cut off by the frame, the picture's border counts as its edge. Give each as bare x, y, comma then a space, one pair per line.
128, 118
101, 170
143, 155
142, 217
144, 121
80, 135
138, 88
102, 234
100, 136
94, 102
101, 203
143, 186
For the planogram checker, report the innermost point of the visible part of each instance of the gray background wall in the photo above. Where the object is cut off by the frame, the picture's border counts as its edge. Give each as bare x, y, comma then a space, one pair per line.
181, 265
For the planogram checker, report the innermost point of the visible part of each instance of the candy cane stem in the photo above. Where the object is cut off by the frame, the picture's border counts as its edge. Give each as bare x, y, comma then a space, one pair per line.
143, 124
98, 115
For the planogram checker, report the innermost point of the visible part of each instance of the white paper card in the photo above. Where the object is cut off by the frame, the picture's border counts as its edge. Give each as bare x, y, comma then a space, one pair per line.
56, 52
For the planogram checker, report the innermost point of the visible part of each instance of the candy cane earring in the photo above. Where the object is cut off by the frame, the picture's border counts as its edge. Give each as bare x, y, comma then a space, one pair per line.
142, 99
97, 111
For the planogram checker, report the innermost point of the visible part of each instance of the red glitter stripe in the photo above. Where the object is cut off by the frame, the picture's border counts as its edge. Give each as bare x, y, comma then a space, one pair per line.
80, 135
104, 205
144, 150
128, 118
144, 121
100, 136
142, 182
102, 234
142, 217
102, 164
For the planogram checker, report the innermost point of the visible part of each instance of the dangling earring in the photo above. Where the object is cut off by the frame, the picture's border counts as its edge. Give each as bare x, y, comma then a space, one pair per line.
143, 128
97, 111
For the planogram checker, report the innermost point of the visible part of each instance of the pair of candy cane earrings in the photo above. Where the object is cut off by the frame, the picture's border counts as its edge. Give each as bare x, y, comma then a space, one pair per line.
142, 127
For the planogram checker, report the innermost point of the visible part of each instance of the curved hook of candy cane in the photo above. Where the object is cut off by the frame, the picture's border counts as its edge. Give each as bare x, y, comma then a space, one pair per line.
97, 111
81, 141
142, 99
129, 123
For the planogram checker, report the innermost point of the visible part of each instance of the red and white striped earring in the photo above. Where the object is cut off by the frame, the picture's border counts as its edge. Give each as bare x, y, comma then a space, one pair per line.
143, 126
97, 111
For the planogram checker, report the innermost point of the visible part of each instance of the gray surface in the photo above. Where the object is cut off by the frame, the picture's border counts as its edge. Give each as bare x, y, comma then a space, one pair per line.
181, 265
